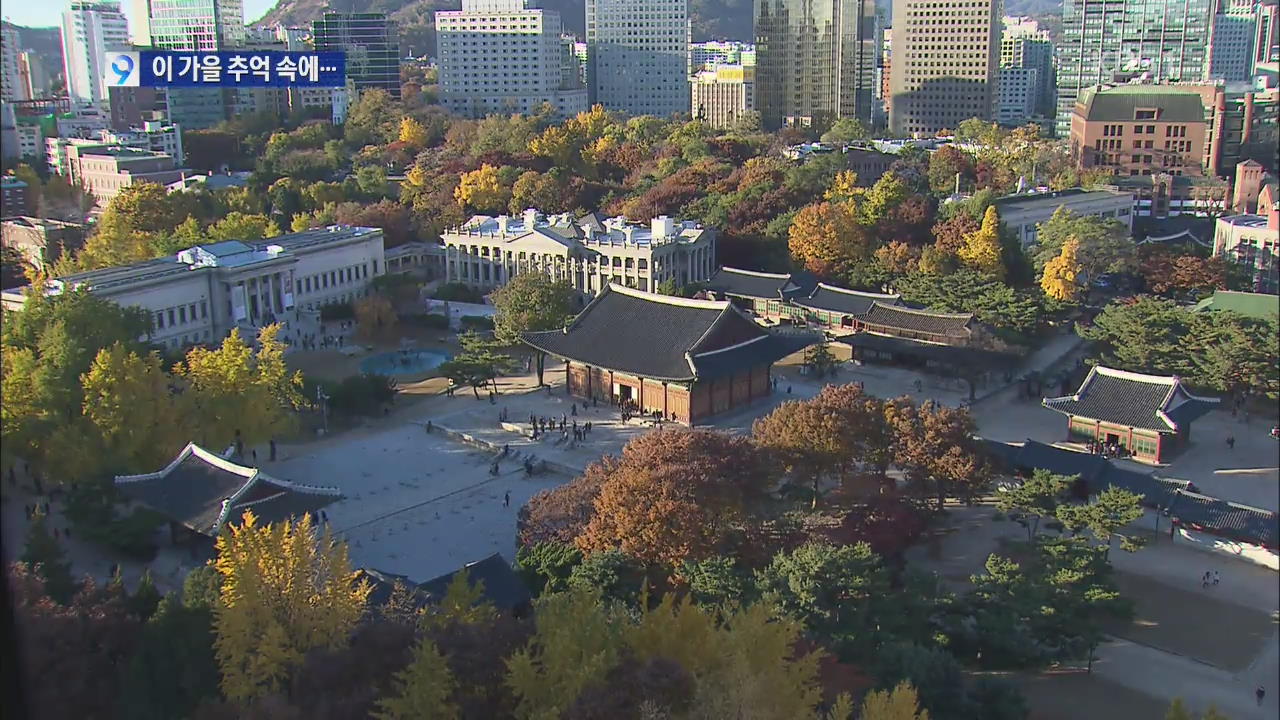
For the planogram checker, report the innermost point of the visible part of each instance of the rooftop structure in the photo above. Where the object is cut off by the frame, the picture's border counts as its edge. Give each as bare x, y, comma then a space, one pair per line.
203, 492
845, 301
589, 252
1263, 306
638, 56
1023, 213
1149, 415
501, 586
686, 359
754, 285
1253, 241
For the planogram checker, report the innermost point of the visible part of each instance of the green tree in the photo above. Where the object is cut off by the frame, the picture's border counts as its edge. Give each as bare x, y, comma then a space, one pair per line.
716, 582
478, 364
142, 423
846, 130
1178, 711
532, 302
46, 557
611, 574
546, 566
1039, 496
239, 226
1146, 335
1104, 243
422, 690
1105, 516
173, 668
840, 592
819, 359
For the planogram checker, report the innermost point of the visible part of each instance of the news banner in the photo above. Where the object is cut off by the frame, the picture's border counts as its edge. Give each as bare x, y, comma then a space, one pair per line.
225, 68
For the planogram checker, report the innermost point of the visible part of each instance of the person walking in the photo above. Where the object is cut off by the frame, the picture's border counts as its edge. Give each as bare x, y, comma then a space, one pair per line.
1204, 581
1231, 442
1260, 693
506, 499
273, 449
1217, 577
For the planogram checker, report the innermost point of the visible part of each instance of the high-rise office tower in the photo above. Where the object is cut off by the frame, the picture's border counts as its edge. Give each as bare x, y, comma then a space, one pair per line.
1266, 38
1024, 46
815, 61
639, 55
1105, 41
195, 24
502, 56
89, 31
946, 58
370, 43
11, 86
1231, 37
34, 76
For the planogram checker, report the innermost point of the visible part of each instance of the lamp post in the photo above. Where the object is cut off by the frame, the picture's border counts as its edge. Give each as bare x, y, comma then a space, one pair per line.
322, 398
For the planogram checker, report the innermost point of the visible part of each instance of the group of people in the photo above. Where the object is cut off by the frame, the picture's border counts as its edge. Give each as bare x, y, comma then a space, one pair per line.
1109, 449
1211, 577
542, 426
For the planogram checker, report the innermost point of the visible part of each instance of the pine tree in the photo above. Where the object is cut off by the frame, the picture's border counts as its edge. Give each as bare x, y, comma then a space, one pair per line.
982, 250
145, 597
285, 590
46, 556
422, 690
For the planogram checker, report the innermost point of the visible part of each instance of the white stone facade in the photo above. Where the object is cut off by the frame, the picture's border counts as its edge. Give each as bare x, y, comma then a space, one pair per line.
639, 55
588, 252
496, 56
1023, 214
200, 294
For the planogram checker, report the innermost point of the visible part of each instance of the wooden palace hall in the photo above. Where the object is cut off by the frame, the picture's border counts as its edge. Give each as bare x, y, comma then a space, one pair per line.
683, 359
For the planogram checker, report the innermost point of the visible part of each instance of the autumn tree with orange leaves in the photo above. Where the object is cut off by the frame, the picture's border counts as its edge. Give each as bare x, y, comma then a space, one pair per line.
936, 447
828, 240
675, 495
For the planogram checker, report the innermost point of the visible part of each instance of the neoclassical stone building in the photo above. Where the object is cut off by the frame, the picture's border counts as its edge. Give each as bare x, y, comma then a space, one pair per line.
588, 252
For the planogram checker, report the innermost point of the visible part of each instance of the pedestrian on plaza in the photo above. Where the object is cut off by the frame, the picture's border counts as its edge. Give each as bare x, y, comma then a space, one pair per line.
46, 509
26, 469
506, 499
1217, 577
273, 449
324, 517
1260, 693
574, 409
594, 402
255, 455
788, 389
1231, 442
1204, 581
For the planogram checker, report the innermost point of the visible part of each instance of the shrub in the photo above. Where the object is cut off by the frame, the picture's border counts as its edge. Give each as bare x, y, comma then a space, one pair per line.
429, 321
337, 311
363, 394
457, 292
479, 323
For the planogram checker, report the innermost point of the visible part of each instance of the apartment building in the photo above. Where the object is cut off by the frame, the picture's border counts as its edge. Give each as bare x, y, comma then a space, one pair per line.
638, 57
588, 252
723, 96
946, 57
90, 30
506, 57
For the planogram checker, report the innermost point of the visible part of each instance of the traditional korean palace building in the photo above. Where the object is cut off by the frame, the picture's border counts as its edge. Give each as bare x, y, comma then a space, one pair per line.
1149, 415
686, 359
200, 492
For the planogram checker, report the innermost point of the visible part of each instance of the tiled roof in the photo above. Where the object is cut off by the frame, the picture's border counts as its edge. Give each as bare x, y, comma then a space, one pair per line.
1060, 461
944, 354
925, 321
752, 284
1149, 402
1231, 520
502, 585
1156, 492
655, 336
1120, 104
203, 491
852, 302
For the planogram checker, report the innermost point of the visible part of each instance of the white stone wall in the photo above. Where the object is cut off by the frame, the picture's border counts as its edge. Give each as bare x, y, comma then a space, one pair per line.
184, 298
337, 274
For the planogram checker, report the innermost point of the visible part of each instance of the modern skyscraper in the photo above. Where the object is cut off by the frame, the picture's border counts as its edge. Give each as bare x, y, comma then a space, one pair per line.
195, 24
1266, 39
639, 55
11, 86
1231, 39
815, 61
1105, 41
502, 56
89, 31
723, 95
1024, 46
946, 59
370, 43
35, 78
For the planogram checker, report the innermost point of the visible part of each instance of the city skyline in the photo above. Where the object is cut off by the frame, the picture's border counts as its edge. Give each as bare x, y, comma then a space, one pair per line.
48, 15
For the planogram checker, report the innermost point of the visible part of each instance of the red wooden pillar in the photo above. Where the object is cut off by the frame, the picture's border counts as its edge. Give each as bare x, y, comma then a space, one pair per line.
665, 412
568, 379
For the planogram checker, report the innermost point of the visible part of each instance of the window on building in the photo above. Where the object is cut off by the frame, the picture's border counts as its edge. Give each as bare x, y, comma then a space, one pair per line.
160, 320
171, 316
182, 314
204, 310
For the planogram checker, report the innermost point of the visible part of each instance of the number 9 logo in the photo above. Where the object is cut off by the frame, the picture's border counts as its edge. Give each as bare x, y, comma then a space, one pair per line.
122, 69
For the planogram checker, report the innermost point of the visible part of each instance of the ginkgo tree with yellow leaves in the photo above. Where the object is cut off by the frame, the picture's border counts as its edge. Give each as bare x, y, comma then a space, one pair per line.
981, 250
286, 588
1060, 279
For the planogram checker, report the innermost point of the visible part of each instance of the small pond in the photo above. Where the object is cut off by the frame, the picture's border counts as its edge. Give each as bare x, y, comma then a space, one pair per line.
403, 362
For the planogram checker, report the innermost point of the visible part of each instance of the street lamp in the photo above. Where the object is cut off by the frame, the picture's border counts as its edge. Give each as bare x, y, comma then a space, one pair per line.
321, 398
